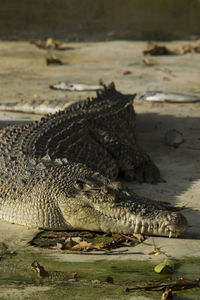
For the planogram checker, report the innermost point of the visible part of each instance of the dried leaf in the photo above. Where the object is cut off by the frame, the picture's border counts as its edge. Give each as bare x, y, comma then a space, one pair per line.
71, 243
39, 269
38, 43
154, 49
74, 275
139, 237
66, 240
53, 60
83, 245
48, 44
156, 250
60, 246
167, 294
51, 43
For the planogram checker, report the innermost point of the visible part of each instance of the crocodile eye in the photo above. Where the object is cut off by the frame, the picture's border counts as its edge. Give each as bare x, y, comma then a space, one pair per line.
82, 185
79, 184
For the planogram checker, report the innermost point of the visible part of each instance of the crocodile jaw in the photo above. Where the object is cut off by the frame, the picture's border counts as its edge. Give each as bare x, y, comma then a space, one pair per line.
170, 224
120, 217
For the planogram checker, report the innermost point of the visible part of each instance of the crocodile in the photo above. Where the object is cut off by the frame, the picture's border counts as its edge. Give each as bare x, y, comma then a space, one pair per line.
61, 172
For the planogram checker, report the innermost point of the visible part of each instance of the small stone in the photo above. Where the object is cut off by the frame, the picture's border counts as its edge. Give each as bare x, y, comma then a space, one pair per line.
173, 138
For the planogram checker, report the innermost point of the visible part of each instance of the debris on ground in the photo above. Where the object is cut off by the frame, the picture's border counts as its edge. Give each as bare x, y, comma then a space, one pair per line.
159, 96
188, 48
181, 284
53, 60
39, 269
155, 49
167, 266
156, 250
48, 44
71, 86
150, 62
126, 72
83, 241
167, 294
173, 138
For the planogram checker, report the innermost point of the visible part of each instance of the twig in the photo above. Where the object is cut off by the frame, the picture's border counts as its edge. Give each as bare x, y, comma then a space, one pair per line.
174, 286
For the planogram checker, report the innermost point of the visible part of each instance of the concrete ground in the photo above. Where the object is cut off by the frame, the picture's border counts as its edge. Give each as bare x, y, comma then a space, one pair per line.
24, 75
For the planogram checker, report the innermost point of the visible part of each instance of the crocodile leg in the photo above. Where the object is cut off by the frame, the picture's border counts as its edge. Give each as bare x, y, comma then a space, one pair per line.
133, 162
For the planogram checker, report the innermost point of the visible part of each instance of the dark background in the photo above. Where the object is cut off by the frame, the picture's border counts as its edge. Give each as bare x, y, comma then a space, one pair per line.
92, 20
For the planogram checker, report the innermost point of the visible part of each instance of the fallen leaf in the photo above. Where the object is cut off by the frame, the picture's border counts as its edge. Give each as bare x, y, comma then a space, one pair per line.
48, 44
39, 269
156, 250
167, 266
60, 246
70, 243
154, 49
167, 294
83, 245
139, 237
98, 241
53, 44
74, 275
53, 60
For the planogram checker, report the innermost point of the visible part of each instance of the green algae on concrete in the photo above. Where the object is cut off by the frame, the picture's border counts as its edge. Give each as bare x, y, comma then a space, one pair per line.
19, 281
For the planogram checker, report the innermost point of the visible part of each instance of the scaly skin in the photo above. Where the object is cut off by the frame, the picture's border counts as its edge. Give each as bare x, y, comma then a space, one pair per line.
58, 173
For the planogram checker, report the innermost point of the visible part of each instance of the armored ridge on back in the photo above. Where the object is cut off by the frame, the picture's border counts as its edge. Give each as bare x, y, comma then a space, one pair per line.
59, 173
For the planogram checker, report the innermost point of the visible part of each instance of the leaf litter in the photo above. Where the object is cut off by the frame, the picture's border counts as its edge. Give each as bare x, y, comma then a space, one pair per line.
156, 49
83, 241
181, 284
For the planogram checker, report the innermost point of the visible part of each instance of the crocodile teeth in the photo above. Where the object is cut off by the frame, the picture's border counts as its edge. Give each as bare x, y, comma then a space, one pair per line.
137, 227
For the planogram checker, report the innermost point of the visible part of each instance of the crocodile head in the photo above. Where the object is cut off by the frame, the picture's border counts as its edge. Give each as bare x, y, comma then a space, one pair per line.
97, 204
